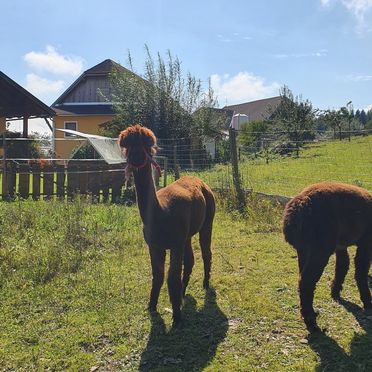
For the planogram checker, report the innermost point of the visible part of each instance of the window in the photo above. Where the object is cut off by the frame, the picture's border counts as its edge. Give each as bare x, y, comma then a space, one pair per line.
70, 125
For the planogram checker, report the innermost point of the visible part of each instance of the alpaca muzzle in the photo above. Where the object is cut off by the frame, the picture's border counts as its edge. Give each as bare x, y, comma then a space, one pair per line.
147, 159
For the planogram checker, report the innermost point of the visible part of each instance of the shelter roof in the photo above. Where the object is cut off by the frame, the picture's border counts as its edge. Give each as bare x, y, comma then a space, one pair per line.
17, 102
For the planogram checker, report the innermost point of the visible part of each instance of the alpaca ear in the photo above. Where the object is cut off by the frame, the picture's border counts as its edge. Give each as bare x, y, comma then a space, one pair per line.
148, 141
122, 140
148, 138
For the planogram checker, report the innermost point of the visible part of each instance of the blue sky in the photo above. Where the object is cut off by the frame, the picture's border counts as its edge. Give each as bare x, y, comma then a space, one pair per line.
321, 49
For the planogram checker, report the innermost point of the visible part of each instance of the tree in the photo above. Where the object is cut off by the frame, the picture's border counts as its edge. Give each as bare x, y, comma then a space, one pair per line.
295, 117
163, 98
334, 119
25, 149
363, 118
251, 135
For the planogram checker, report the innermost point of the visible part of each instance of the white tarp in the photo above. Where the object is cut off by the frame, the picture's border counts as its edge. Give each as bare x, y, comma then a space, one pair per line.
107, 147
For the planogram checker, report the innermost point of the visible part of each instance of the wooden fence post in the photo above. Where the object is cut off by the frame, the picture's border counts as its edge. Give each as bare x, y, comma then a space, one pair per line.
35, 181
4, 183
235, 172
24, 181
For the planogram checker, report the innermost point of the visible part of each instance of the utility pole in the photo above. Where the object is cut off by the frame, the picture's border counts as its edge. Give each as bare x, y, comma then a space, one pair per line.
349, 105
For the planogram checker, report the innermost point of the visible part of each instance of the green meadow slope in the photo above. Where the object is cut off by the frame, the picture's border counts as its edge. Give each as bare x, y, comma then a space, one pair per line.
344, 161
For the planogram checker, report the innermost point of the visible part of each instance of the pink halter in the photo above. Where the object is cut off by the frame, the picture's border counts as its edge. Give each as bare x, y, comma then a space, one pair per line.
148, 158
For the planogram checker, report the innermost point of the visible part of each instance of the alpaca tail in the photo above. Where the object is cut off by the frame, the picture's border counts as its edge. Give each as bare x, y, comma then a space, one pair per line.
293, 220
205, 234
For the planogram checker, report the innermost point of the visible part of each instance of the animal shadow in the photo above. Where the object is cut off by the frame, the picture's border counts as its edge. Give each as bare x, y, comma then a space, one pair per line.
333, 357
191, 346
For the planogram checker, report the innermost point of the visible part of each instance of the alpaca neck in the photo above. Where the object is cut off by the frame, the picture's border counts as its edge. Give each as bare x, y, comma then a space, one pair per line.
147, 200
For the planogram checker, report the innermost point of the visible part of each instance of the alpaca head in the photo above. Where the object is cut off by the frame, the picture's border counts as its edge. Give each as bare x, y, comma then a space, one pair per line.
138, 143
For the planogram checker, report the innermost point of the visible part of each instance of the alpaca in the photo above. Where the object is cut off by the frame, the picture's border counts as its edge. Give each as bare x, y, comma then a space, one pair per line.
323, 219
170, 217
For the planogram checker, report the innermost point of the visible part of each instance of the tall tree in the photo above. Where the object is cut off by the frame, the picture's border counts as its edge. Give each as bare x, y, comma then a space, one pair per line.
363, 117
163, 98
295, 116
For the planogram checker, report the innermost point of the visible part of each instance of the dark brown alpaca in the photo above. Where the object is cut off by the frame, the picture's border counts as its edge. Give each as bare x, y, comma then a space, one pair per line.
170, 218
323, 219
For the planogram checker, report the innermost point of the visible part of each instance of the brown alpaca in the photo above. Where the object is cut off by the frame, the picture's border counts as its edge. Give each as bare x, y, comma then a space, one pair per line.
170, 218
323, 219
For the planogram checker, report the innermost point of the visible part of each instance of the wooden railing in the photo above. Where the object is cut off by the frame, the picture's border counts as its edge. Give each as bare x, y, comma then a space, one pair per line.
52, 180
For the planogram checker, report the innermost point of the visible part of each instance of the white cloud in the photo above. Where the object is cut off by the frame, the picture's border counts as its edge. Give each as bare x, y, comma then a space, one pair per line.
242, 87
42, 87
52, 61
369, 107
358, 78
358, 7
319, 53
235, 37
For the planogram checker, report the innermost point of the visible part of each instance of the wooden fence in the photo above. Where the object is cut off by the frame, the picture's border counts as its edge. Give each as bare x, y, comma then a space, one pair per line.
102, 181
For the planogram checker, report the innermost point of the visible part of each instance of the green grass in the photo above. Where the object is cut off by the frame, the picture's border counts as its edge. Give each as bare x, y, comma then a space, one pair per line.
336, 160
74, 285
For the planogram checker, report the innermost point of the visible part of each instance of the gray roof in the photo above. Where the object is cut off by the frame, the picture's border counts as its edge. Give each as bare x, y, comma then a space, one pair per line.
95, 109
256, 110
102, 69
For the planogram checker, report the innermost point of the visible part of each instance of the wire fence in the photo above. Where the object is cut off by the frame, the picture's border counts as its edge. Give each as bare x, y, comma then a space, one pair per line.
268, 164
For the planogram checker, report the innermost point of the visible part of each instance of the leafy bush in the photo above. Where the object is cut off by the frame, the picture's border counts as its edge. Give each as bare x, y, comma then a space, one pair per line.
21, 149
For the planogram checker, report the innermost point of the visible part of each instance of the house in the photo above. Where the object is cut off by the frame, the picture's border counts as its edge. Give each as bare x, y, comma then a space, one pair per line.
258, 110
16, 103
83, 107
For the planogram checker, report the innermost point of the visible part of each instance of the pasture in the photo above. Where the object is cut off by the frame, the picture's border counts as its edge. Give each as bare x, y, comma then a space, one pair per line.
75, 280
332, 160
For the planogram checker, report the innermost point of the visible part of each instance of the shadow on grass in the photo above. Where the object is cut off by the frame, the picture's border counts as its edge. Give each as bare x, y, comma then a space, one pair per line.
191, 346
333, 357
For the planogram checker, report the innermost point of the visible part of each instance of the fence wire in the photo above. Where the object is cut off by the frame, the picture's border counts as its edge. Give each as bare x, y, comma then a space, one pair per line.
270, 164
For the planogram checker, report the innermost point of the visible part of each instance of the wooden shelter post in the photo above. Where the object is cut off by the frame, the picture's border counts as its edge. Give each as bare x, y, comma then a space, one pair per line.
25, 127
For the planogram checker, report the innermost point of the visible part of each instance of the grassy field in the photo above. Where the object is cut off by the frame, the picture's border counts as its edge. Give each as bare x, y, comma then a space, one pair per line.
75, 280
345, 161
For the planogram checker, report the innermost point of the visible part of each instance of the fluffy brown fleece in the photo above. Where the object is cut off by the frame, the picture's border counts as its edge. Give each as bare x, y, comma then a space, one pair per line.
323, 219
170, 218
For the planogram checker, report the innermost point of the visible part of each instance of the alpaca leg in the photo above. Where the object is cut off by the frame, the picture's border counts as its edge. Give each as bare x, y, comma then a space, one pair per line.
312, 271
157, 265
188, 264
362, 264
175, 283
205, 237
342, 267
301, 259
